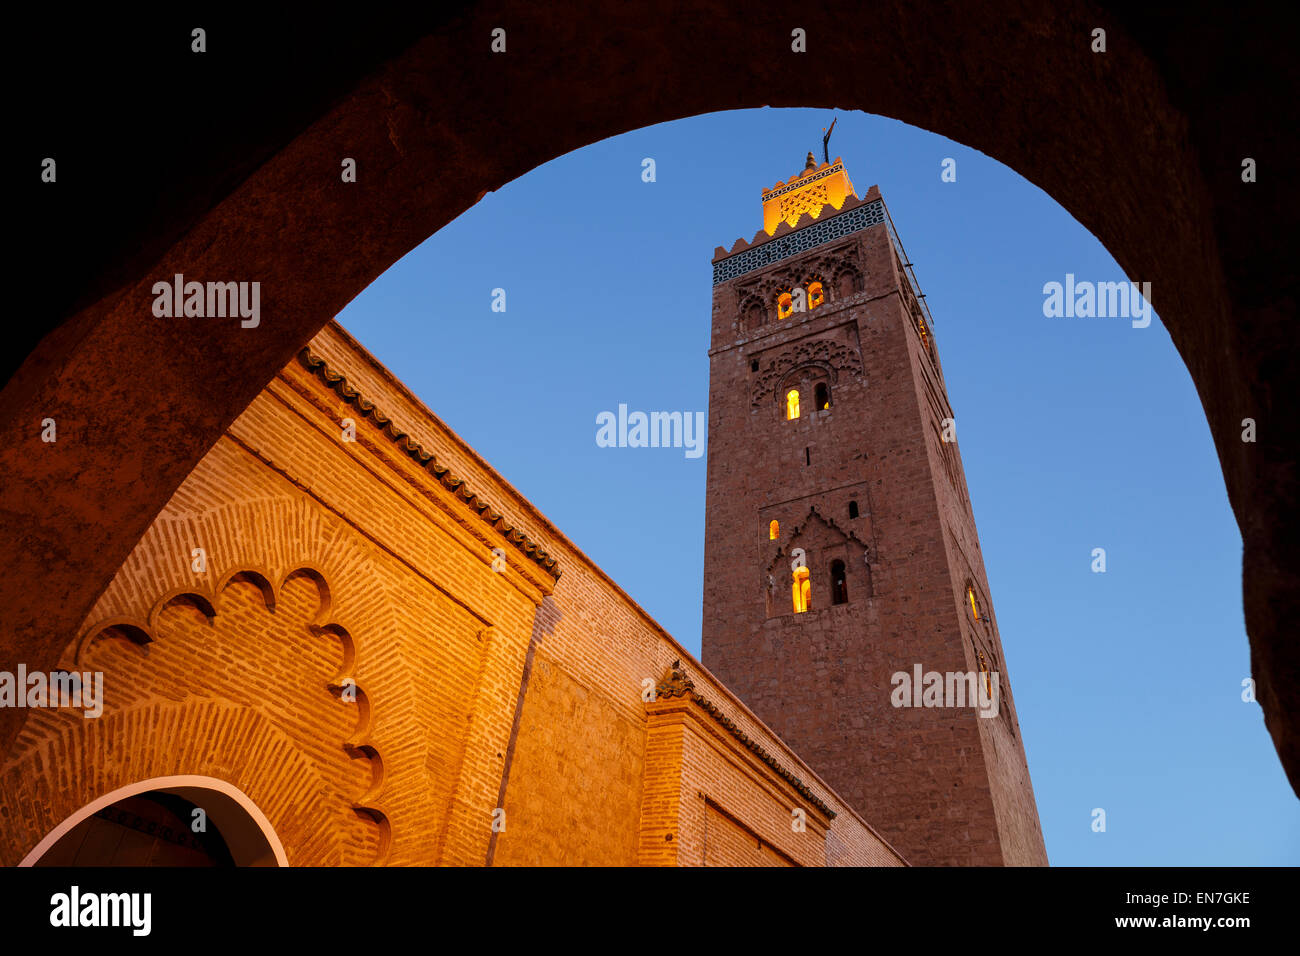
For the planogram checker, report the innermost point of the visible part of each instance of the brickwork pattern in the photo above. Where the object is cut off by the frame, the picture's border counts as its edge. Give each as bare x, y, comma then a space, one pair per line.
333, 563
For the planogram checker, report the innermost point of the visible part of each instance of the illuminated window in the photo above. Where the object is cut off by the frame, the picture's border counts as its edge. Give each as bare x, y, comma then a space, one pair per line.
774, 530
784, 305
802, 591
853, 509
839, 583
822, 397
974, 603
926, 339
816, 295
792, 404
984, 669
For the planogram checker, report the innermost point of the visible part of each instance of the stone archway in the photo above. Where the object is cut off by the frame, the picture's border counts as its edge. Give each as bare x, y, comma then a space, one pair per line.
246, 766
1130, 142
231, 825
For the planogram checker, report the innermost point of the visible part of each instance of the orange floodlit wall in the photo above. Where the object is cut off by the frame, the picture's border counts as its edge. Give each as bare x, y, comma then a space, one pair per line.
347, 616
809, 192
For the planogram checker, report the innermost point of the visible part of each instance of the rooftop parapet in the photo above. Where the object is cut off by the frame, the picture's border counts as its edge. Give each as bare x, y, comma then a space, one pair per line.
805, 218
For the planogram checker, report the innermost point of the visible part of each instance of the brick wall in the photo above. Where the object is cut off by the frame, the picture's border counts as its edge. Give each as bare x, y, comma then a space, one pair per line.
381, 665
943, 785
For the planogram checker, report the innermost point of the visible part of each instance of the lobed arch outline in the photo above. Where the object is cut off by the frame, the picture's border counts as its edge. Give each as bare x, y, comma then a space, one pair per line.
359, 743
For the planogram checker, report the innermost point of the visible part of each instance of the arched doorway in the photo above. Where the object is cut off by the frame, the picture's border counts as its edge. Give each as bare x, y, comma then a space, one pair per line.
184, 821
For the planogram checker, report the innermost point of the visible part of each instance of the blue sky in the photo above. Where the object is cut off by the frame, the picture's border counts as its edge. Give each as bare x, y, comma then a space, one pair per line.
1076, 433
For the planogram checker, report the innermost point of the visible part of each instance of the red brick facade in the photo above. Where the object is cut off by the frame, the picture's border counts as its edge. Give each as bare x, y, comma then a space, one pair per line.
391, 655
867, 481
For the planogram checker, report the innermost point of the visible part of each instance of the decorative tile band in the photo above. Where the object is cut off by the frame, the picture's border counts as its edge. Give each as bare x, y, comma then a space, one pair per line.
798, 183
801, 240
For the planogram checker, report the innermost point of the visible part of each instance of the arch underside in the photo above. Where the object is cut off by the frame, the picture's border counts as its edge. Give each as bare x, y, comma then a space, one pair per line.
1125, 141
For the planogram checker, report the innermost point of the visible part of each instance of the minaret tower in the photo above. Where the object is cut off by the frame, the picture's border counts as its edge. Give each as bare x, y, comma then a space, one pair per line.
840, 547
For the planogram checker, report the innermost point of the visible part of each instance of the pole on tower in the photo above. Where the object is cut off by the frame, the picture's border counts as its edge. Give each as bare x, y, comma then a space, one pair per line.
826, 155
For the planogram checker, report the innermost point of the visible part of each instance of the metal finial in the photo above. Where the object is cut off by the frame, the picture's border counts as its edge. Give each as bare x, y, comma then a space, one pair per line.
826, 140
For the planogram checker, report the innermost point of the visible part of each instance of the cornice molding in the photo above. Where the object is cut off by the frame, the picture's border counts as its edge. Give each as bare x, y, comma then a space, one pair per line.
337, 383
676, 684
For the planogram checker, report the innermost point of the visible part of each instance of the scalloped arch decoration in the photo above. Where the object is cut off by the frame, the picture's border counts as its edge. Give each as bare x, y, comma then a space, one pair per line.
834, 356
358, 744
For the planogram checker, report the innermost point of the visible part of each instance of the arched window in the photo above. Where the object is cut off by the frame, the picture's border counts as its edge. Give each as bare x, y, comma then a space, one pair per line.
816, 295
822, 397
984, 669
784, 305
839, 583
773, 530
848, 283
792, 404
926, 339
853, 509
974, 602
754, 316
802, 591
